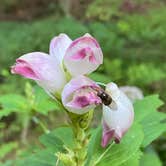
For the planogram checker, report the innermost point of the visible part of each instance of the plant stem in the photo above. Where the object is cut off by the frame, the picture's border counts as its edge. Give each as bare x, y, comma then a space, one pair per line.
24, 133
103, 154
81, 147
41, 124
102, 84
80, 125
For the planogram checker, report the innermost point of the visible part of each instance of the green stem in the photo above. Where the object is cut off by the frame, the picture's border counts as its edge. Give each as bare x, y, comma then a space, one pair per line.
81, 147
80, 125
25, 123
102, 84
41, 124
103, 154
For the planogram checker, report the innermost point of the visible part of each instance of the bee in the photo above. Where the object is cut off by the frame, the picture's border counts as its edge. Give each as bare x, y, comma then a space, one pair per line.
106, 99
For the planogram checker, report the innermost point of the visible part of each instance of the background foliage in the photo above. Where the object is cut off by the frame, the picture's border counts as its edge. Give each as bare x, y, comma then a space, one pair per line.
132, 36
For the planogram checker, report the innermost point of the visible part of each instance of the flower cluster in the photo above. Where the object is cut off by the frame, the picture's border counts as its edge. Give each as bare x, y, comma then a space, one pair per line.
63, 75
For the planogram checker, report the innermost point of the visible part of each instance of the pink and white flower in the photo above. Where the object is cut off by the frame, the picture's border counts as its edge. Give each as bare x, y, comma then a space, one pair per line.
83, 56
79, 57
118, 116
79, 96
42, 68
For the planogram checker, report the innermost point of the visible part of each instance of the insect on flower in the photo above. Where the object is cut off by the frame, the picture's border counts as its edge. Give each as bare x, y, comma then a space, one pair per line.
105, 97
63, 75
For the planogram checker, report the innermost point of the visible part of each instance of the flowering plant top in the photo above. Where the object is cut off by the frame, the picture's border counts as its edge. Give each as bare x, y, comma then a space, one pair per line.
63, 74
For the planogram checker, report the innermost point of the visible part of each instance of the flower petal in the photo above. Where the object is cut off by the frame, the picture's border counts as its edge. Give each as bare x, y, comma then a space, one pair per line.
59, 45
83, 56
24, 69
78, 95
107, 135
83, 98
132, 92
42, 68
117, 119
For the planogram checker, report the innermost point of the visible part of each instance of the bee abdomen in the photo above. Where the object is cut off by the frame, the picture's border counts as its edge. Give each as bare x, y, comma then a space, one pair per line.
106, 99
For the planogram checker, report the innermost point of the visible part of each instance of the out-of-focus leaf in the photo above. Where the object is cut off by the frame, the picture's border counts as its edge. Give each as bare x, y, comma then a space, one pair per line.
7, 163
136, 74
149, 159
43, 102
42, 158
113, 68
57, 139
12, 103
7, 148
52, 142
100, 78
66, 135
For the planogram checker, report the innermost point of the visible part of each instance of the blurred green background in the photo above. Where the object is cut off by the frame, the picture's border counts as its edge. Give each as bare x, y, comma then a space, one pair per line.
132, 35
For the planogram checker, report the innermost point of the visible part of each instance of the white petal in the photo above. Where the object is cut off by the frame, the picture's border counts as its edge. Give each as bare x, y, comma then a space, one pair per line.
70, 91
119, 118
44, 69
132, 92
59, 45
83, 56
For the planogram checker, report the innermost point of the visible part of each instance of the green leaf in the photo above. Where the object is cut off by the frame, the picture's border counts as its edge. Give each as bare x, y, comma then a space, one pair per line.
118, 153
151, 120
43, 103
66, 135
7, 163
134, 160
5, 112
100, 77
149, 159
153, 126
122, 152
7, 148
94, 147
138, 72
146, 106
57, 139
113, 68
52, 142
42, 158
12, 103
